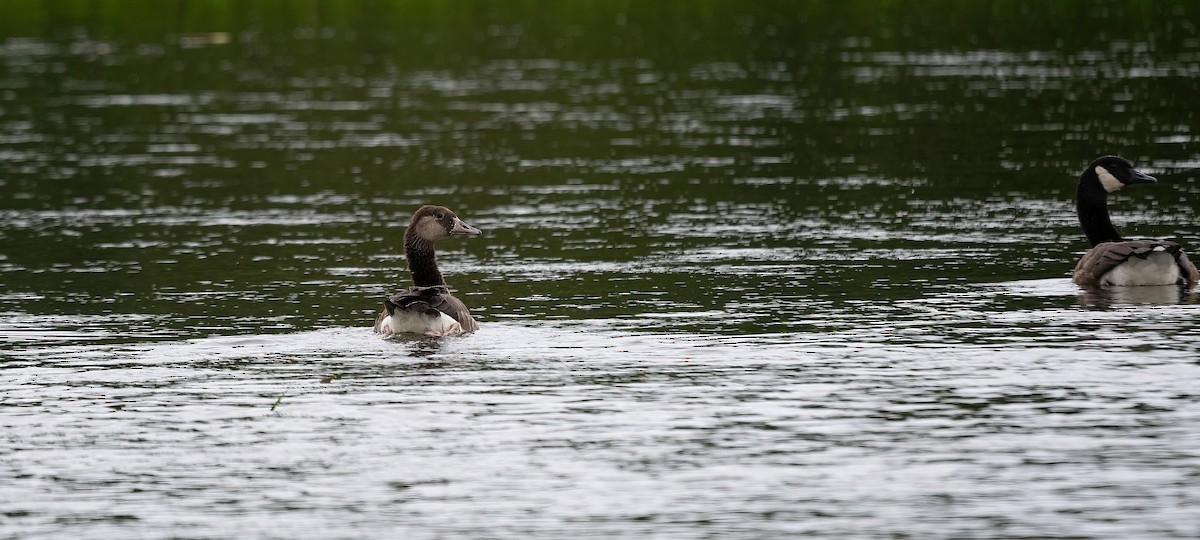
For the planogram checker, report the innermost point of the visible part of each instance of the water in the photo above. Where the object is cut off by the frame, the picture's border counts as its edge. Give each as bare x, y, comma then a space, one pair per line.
747, 271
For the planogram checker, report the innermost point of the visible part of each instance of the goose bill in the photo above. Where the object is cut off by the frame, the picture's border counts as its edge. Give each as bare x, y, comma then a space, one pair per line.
1139, 177
462, 229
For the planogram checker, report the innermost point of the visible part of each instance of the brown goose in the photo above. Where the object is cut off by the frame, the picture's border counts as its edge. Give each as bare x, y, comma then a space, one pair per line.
1112, 259
427, 307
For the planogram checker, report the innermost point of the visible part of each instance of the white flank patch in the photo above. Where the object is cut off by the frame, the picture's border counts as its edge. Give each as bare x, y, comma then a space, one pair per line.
419, 323
1107, 180
1158, 268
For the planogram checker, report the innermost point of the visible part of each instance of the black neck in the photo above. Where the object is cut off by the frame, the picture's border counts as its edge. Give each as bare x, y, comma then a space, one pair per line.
421, 261
1091, 203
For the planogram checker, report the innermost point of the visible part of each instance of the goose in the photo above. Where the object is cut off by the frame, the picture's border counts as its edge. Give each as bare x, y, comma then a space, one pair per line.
427, 307
1113, 260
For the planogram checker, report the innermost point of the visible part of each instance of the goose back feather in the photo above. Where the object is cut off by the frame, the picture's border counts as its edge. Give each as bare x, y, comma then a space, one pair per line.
1135, 262
425, 310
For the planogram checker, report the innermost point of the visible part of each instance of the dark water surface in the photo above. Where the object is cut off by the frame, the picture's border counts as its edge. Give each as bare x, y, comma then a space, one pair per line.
750, 269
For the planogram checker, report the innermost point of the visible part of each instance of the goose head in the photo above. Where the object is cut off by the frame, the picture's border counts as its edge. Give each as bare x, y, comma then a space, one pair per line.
1113, 173
432, 223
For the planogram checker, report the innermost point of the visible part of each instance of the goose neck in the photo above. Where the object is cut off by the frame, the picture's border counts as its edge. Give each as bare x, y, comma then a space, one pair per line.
422, 262
1091, 204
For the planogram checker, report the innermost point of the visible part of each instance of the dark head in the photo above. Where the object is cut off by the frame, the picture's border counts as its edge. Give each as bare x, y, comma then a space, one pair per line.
432, 223
1103, 176
1113, 173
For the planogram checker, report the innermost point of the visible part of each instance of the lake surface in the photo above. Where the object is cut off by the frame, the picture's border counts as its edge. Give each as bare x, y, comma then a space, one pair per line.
749, 270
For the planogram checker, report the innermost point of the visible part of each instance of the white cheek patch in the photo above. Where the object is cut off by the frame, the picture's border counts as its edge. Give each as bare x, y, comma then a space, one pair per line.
430, 228
1107, 180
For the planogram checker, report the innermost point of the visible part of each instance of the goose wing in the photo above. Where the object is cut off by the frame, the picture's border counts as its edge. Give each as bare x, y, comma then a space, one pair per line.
431, 301
1105, 256
1187, 270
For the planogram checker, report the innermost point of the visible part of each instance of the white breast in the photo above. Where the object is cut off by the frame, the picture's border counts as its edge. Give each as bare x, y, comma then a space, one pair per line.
1158, 268
419, 323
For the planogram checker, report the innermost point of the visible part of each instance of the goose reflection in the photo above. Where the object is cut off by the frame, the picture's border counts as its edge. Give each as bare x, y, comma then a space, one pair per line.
1110, 297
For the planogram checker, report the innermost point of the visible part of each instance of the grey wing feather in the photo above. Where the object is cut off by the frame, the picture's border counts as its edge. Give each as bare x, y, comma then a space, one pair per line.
1099, 261
452, 306
1187, 269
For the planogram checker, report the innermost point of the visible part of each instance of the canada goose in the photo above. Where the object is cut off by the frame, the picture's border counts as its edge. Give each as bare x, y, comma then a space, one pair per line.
427, 307
1112, 259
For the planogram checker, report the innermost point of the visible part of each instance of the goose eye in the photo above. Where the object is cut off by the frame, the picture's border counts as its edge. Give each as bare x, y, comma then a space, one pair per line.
440, 216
